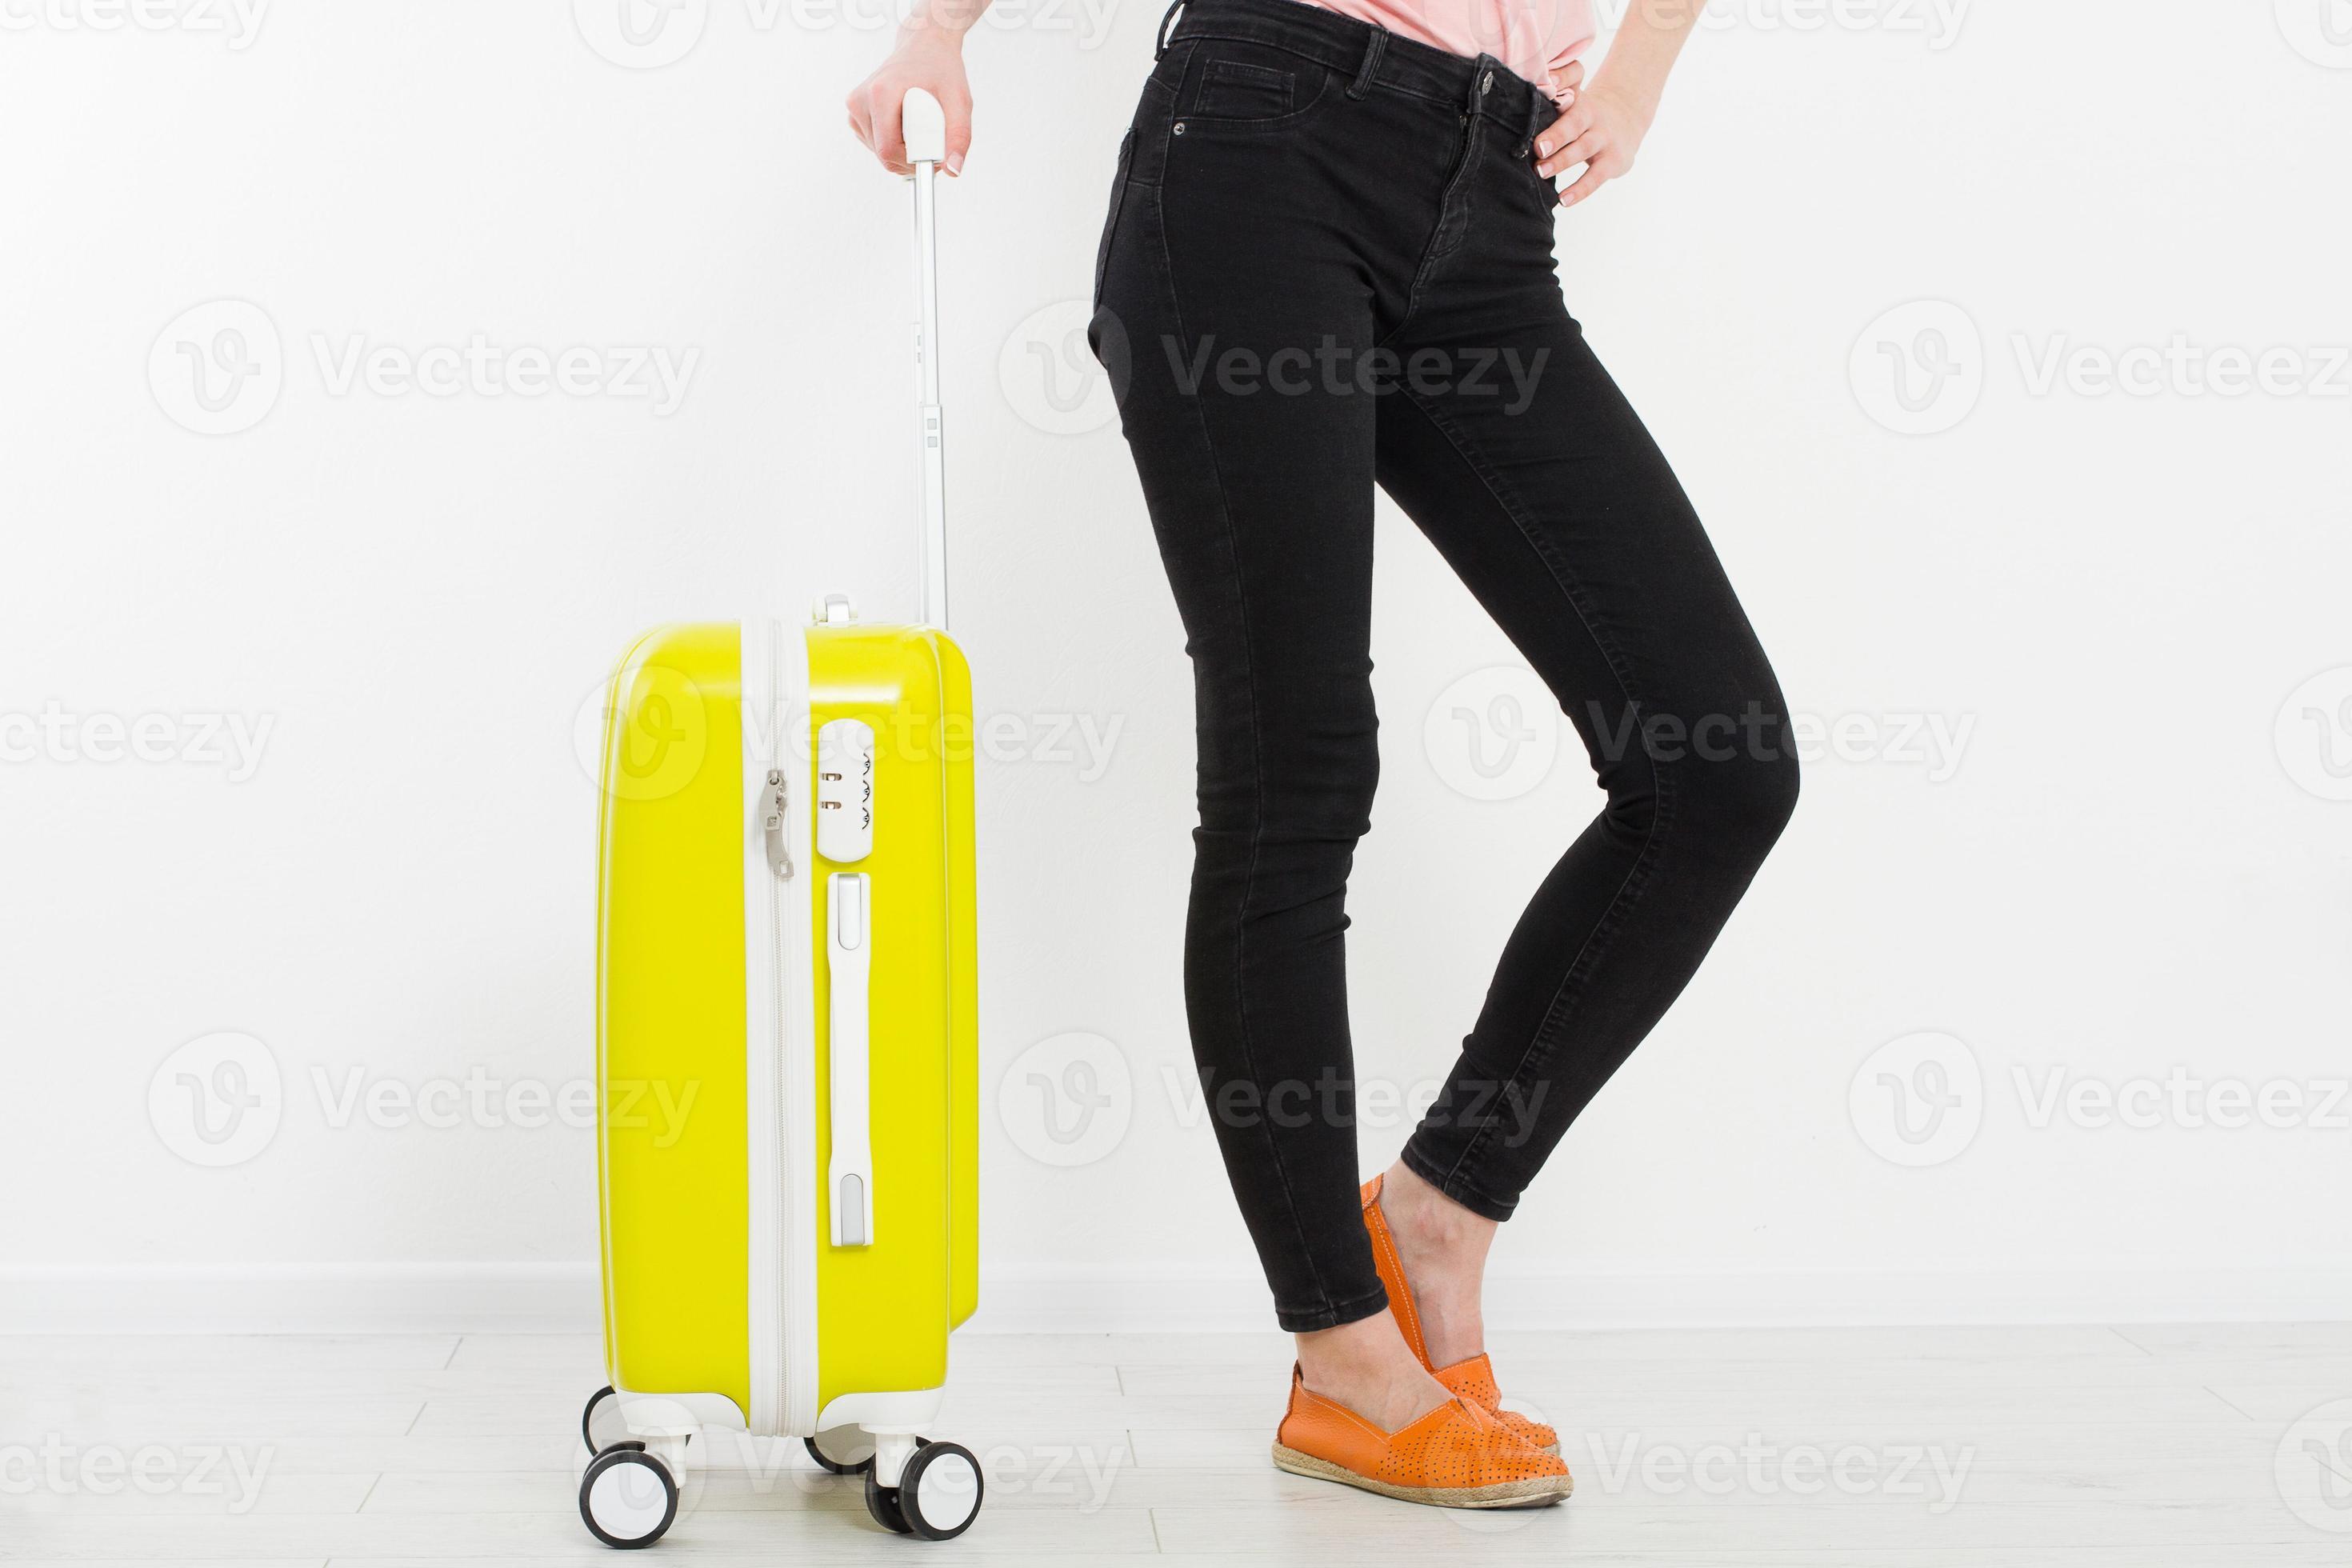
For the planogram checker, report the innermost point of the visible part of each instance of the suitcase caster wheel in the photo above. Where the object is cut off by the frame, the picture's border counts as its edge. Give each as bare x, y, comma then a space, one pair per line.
882, 1502
601, 1425
627, 1497
938, 1493
851, 1452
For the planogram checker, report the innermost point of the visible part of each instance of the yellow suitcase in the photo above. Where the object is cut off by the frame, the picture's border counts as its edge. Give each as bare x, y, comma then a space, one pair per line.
786, 1042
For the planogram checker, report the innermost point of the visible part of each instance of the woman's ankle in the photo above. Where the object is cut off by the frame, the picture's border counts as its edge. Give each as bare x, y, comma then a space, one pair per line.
1443, 1247
1366, 1366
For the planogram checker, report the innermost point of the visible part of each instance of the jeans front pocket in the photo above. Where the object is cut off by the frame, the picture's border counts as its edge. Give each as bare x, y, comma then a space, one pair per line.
1235, 89
1244, 87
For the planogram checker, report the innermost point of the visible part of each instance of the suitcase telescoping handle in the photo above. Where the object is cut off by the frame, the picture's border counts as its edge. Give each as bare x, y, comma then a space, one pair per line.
925, 126
849, 929
844, 836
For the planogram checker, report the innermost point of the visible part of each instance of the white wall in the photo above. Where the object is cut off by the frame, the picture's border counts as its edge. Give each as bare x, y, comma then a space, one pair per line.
2114, 595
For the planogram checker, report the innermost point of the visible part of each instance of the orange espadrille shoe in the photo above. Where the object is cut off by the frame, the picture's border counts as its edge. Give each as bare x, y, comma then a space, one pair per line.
1472, 1380
1454, 1457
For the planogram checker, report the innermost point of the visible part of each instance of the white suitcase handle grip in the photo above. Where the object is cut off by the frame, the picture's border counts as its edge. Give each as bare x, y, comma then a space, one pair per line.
850, 940
925, 126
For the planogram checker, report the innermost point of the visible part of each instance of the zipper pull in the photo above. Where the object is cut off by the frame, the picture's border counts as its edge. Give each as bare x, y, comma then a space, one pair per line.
780, 856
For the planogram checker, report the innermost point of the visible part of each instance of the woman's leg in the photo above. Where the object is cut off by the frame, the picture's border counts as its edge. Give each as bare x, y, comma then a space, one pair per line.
1558, 511
1233, 311
1263, 507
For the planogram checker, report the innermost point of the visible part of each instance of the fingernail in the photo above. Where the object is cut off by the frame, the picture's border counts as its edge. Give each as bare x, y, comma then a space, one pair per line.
955, 162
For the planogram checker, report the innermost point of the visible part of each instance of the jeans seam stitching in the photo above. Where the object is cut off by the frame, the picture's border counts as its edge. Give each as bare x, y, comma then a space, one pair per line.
1257, 771
1331, 1315
1454, 1185
1430, 254
1635, 879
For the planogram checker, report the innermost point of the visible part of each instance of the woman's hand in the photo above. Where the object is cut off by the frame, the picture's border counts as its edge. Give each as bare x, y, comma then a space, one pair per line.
929, 56
1601, 129
1602, 126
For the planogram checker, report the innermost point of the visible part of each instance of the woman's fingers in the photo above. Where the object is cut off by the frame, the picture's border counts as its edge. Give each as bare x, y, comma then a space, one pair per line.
1596, 174
884, 97
877, 114
1583, 150
1572, 123
959, 108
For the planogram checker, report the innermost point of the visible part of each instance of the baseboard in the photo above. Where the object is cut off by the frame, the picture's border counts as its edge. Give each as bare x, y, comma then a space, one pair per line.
299, 1298
1816, 1298
561, 1298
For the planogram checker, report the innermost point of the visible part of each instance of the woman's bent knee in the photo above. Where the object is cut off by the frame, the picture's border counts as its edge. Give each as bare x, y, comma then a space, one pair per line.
1738, 805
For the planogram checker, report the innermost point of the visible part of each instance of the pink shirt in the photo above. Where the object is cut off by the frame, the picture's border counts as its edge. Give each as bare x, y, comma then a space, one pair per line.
1539, 39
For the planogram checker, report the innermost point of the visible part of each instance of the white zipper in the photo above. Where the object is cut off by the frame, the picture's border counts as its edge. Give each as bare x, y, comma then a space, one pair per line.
763, 993
780, 860
794, 1324
777, 833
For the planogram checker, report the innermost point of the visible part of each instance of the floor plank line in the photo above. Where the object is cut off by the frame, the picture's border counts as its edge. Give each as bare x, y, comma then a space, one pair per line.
2175, 1446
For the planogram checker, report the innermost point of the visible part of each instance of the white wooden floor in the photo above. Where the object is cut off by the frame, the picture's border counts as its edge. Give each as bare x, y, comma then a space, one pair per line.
2088, 1448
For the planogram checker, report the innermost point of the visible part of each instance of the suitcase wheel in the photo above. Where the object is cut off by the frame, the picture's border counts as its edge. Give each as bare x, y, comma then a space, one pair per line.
601, 1425
882, 1502
846, 1451
627, 1497
939, 1494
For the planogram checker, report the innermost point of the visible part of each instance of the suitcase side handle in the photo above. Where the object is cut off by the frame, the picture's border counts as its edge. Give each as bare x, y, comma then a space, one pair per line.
925, 126
849, 1178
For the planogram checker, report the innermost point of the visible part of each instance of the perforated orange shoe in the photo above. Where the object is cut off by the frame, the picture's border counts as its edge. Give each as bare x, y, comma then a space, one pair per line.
1472, 1380
1454, 1457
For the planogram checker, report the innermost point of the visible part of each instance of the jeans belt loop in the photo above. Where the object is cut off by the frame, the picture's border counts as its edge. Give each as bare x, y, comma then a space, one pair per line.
1365, 72
1482, 76
1166, 25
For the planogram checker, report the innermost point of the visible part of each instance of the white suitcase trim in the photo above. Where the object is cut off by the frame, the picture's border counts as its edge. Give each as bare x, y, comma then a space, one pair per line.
780, 1035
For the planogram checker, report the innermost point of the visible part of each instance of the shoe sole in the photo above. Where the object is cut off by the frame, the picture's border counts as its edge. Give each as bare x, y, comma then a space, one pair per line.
1539, 1491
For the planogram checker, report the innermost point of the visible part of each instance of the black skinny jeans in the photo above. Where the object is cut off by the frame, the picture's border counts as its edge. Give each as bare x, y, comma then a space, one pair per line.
1327, 263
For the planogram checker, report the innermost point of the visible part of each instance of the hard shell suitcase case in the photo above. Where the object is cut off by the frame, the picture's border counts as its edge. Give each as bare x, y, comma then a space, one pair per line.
786, 1042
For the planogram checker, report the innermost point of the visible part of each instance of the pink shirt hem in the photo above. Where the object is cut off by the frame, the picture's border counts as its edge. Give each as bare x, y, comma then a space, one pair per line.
1539, 39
